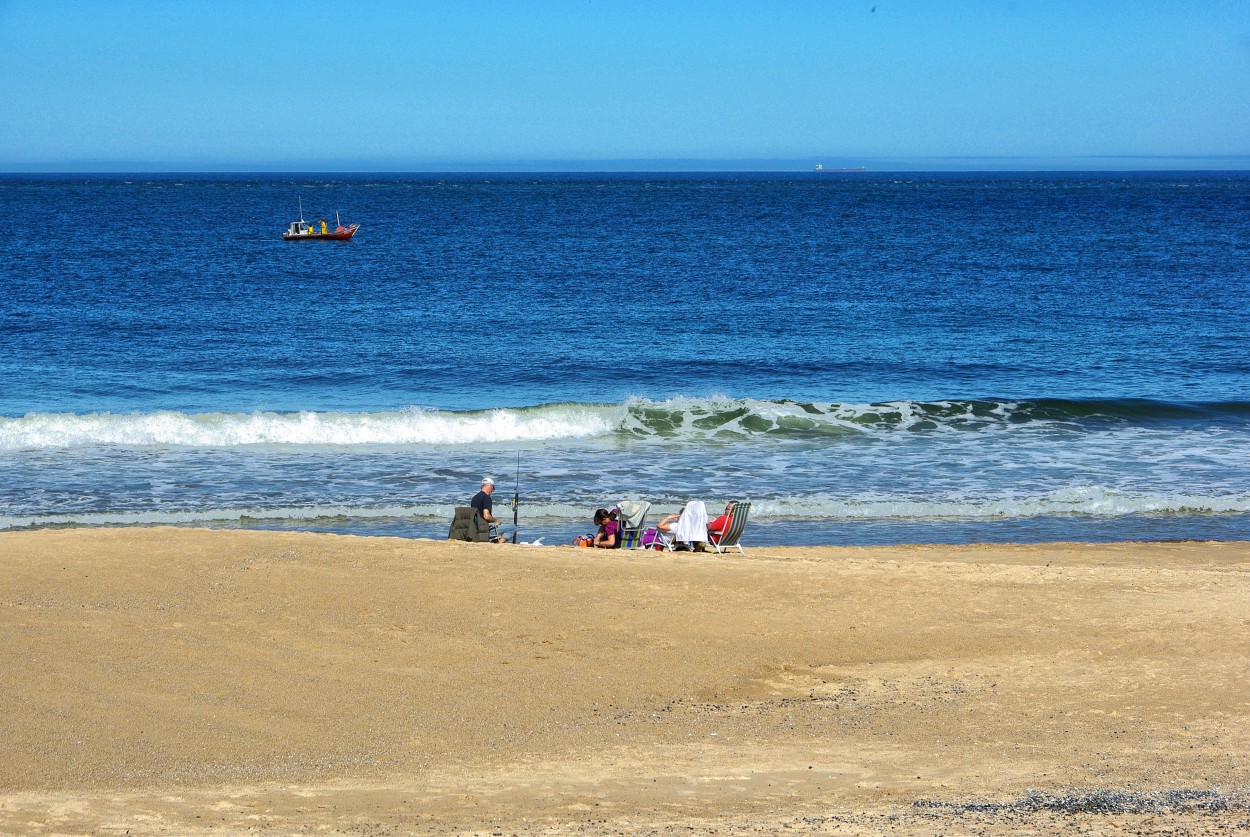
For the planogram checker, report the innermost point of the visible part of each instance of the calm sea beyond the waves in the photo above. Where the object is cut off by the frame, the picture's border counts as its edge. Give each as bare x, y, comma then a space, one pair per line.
868, 358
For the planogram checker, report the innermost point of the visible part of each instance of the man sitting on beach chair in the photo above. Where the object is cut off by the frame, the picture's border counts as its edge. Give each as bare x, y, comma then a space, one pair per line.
724, 532
483, 504
717, 527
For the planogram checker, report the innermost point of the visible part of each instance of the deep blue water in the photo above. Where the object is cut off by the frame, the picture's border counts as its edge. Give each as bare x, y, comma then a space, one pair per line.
867, 357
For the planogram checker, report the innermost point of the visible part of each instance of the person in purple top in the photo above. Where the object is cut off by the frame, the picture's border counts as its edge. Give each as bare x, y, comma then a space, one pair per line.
609, 534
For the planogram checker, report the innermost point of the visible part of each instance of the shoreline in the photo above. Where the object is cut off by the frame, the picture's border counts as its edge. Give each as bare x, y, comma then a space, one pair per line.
189, 680
764, 533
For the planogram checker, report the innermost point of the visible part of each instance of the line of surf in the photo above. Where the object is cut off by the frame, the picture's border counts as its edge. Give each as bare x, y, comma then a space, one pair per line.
1087, 502
703, 418
413, 426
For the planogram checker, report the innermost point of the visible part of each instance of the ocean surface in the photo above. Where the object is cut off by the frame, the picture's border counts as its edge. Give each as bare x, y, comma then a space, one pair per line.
868, 358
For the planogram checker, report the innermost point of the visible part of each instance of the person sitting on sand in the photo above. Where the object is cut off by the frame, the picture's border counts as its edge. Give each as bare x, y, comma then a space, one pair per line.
483, 503
609, 534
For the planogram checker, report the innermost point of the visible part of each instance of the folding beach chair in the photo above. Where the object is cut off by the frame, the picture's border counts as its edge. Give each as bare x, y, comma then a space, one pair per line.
733, 529
632, 516
469, 525
657, 539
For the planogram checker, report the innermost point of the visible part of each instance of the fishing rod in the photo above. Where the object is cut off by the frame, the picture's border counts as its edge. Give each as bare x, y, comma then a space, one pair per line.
516, 496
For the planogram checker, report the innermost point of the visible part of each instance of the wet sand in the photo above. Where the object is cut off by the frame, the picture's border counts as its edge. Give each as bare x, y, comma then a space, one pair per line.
173, 681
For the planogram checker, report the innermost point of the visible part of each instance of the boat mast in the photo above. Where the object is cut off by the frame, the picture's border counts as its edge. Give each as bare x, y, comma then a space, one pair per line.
301, 210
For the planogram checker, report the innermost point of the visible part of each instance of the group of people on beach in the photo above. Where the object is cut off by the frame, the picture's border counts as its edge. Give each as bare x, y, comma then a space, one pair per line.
662, 536
610, 531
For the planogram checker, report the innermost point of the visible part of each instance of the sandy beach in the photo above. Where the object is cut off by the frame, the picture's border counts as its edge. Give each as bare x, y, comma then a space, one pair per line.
175, 681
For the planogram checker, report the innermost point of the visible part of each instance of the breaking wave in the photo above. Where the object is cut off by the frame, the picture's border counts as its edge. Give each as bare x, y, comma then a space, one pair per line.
728, 417
413, 426
676, 419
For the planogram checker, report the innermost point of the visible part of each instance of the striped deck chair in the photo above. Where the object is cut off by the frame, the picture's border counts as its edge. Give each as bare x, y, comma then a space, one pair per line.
632, 515
733, 530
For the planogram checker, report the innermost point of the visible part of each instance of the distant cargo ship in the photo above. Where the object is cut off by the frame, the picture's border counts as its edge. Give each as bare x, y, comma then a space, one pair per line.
820, 167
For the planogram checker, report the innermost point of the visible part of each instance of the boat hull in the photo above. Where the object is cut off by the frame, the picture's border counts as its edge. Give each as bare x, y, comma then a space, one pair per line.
344, 234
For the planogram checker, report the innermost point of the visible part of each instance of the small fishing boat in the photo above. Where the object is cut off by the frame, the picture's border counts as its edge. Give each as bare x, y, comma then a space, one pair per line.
302, 230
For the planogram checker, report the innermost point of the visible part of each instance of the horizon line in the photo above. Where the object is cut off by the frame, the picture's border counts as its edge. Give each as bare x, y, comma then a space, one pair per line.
642, 165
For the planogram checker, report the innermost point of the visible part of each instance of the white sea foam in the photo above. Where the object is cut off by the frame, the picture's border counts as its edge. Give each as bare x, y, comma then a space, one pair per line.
695, 419
724, 417
305, 514
1091, 502
413, 426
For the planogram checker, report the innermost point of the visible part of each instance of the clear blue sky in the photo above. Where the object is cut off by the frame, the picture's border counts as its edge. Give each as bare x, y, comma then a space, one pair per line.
468, 84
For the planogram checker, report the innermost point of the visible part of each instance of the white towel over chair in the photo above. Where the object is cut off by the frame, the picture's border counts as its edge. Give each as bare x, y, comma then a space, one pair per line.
692, 525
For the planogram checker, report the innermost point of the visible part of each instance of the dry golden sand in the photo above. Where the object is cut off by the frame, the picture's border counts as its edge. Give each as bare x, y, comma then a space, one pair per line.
170, 681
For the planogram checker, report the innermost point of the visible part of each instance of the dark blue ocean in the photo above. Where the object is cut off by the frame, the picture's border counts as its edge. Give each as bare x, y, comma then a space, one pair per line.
868, 358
